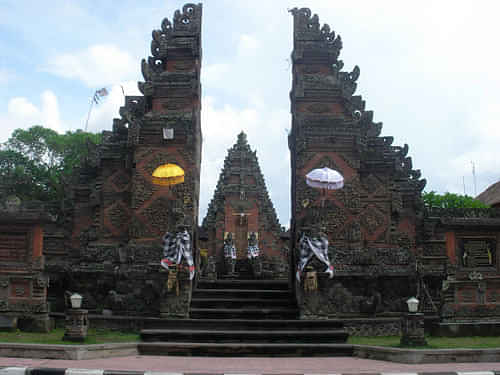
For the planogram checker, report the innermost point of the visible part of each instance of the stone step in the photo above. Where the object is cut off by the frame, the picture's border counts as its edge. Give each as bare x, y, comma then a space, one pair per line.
246, 313
245, 349
244, 284
241, 293
244, 324
244, 336
241, 302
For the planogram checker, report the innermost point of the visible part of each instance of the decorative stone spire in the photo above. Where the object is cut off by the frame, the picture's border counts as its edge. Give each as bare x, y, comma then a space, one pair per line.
241, 163
307, 27
242, 139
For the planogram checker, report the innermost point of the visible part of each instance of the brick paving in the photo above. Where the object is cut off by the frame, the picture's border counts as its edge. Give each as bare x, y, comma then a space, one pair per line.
260, 365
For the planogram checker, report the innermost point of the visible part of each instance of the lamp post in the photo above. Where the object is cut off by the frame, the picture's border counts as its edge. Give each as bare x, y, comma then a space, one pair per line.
77, 322
412, 325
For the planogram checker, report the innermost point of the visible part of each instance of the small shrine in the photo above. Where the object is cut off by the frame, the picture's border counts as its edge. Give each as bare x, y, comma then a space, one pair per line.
23, 281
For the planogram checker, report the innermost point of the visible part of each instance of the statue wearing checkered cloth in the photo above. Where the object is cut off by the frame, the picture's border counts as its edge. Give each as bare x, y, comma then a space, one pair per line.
310, 247
230, 253
253, 253
176, 247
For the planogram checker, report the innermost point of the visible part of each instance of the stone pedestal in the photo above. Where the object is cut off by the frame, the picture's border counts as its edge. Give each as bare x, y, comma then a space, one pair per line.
176, 295
412, 330
77, 325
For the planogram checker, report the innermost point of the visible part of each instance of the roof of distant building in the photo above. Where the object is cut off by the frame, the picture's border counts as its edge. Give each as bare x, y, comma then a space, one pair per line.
491, 196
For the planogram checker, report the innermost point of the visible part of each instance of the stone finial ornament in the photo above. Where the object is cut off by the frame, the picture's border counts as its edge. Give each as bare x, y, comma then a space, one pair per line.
12, 204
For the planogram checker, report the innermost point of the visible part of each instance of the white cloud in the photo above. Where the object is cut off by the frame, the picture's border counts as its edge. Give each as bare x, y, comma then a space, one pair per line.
50, 111
21, 113
96, 66
22, 108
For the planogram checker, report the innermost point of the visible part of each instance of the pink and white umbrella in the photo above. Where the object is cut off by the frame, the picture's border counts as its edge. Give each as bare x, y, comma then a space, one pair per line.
325, 178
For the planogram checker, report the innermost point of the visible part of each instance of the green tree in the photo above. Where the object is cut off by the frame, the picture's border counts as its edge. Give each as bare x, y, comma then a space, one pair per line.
35, 164
450, 200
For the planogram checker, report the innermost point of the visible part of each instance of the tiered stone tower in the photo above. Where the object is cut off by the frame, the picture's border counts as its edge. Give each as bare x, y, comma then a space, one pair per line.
371, 222
240, 206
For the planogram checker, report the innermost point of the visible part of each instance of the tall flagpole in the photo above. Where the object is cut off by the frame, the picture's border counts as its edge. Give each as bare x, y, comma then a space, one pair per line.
88, 114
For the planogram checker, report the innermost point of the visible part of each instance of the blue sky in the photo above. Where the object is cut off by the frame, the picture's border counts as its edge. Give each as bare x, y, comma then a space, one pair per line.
429, 71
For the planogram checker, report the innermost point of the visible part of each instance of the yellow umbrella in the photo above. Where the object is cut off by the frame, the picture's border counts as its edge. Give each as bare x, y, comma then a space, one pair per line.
168, 174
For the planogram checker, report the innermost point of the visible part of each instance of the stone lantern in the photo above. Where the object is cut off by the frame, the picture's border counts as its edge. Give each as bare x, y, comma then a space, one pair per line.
412, 325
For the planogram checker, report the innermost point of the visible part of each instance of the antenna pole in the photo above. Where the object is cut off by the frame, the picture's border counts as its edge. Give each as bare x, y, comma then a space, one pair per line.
474, 178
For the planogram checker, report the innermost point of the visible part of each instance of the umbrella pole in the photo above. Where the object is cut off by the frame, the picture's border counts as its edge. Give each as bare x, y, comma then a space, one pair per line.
322, 223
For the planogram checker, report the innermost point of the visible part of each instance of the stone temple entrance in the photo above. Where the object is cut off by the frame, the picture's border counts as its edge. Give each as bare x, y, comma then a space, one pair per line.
241, 237
243, 267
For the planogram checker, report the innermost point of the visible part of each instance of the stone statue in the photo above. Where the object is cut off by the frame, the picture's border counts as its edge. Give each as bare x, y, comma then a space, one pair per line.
230, 253
254, 254
177, 246
310, 247
253, 247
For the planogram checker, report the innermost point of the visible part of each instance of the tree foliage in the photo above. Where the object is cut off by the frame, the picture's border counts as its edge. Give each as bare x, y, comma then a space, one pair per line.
36, 164
450, 200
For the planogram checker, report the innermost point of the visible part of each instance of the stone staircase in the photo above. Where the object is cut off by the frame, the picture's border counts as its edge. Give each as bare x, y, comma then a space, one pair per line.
244, 318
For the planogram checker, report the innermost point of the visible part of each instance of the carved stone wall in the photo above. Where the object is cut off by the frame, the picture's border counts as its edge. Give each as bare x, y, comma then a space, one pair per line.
373, 327
371, 222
